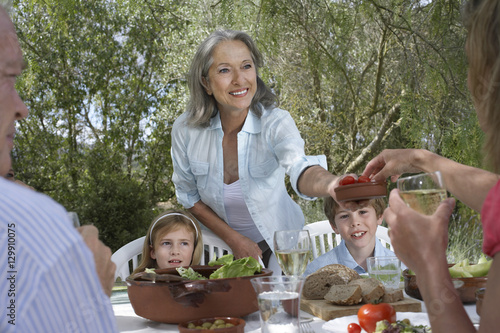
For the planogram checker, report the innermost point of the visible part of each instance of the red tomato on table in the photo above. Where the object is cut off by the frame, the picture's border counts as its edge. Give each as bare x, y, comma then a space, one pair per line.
363, 179
353, 328
370, 314
347, 180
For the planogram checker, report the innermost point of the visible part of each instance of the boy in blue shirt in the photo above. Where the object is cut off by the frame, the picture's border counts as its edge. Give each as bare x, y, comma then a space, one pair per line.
358, 231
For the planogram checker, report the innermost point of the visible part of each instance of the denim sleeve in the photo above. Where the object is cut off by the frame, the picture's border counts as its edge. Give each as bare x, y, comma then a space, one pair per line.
289, 147
183, 178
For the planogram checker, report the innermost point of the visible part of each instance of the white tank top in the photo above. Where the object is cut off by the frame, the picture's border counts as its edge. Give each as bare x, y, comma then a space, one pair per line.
238, 216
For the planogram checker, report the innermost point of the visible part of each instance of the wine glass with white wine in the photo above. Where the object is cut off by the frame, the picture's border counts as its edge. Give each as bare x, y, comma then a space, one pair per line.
423, 192
293, 250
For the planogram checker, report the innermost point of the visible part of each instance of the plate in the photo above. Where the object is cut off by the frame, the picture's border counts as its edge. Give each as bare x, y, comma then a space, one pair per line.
339, 325
361, 191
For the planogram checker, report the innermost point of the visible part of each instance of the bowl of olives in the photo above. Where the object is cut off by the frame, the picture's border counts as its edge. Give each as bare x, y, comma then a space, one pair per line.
213, 325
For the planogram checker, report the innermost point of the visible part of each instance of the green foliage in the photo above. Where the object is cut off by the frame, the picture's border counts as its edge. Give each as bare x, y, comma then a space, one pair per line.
106, 79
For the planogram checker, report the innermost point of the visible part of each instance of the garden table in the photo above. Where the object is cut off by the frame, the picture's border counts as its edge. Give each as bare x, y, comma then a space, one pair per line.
128, 321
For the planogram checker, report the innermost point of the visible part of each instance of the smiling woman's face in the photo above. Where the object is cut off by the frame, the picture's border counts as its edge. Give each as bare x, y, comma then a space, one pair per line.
232, 77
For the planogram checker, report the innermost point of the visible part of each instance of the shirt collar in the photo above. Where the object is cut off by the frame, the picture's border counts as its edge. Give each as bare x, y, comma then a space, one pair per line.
252, 123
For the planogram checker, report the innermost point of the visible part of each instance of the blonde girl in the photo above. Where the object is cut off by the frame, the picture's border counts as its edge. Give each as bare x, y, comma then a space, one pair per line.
173, 240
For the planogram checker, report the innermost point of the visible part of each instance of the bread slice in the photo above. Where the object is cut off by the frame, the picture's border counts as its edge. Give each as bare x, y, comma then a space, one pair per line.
371, 289
318, 283
393, 295
344, 295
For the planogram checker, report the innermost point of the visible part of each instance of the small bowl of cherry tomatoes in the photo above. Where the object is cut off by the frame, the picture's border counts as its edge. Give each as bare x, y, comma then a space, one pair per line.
362, 188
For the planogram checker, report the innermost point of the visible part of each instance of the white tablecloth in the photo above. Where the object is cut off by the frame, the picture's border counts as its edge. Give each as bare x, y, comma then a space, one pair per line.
128, 321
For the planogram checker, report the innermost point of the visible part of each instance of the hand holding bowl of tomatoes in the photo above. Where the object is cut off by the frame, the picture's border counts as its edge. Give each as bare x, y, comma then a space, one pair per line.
361, 188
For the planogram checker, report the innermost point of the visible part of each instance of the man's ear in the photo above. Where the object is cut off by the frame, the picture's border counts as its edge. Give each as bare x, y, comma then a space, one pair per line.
206, 85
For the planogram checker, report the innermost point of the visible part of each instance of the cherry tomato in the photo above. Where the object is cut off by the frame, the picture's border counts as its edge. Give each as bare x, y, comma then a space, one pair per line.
353, 328
363, 179
347, 180
370, 314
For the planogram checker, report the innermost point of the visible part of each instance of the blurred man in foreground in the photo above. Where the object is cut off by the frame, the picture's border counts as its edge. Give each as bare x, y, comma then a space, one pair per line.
53, 277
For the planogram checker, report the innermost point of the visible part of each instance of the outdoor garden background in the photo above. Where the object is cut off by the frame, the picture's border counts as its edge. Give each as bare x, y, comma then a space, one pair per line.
107, 78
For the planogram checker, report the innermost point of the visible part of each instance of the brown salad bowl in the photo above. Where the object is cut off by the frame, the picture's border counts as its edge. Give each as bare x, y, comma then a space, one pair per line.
466, 286
173, 301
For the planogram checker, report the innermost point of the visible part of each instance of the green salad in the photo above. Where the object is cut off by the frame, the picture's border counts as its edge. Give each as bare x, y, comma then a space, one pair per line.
400, 326
230, 268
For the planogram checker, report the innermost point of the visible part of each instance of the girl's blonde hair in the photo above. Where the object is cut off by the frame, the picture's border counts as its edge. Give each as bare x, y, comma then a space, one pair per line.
163, 224
482, 19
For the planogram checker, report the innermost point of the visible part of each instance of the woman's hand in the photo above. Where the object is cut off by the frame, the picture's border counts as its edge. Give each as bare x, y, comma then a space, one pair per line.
418, 238
244, 247
393, 163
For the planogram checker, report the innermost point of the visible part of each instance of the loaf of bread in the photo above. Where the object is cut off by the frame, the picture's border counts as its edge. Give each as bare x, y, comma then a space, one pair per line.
319, 283
344, 295
393, 295
372, 289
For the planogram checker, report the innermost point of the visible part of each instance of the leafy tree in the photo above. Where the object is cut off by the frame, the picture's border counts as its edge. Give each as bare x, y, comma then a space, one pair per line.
106, 80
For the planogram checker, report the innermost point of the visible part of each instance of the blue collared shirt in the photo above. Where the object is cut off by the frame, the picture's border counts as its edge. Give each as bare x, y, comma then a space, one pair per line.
268, 147
49, 274
341, 255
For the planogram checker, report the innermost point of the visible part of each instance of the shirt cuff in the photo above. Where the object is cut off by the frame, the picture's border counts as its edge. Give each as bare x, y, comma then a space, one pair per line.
300, 166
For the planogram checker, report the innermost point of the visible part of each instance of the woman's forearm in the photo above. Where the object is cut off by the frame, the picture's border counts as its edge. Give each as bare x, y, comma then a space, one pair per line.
315, 181
468, 184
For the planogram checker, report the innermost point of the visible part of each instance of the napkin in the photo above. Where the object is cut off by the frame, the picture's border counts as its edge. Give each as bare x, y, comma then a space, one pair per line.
339, 325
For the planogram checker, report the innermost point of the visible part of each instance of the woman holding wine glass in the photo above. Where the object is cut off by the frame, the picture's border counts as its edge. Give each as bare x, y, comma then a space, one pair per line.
419, 240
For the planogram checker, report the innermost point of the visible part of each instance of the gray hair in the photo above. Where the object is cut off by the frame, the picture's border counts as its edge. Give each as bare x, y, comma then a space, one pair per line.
202, 106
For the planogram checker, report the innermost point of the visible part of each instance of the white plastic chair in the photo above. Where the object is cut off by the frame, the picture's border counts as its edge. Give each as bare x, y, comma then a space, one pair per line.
129, 252
214, 246
323, 239
127, 257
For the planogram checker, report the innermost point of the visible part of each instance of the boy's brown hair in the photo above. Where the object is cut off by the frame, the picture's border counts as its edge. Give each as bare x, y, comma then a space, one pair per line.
331, 207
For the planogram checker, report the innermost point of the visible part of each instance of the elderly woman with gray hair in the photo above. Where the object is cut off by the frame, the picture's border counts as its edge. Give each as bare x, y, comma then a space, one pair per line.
233, 146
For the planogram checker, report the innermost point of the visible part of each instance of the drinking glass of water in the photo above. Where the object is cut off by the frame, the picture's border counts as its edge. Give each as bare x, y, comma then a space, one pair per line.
385, 269
279, 302
293, 250
423, 192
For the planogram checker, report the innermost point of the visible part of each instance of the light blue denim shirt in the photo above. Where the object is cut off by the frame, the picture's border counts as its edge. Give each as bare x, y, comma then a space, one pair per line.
268, 147
341, 255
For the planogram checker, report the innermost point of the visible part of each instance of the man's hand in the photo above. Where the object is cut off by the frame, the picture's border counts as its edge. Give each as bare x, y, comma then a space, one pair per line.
102, 257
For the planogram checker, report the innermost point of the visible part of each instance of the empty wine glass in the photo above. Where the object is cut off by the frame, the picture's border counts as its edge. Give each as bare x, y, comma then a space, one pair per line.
74, 218
293, 250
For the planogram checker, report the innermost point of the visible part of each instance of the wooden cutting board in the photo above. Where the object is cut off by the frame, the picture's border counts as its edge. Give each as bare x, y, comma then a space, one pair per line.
327, 311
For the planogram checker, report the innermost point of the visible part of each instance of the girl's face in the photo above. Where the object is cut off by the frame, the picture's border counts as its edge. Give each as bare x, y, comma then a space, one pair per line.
358, 228
174, 249
232, 77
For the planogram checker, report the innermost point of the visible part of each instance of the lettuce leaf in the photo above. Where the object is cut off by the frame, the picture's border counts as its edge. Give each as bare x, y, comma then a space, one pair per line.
190, 274
235, 268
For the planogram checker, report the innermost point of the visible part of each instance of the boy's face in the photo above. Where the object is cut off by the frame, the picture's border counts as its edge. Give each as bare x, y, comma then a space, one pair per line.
358, 228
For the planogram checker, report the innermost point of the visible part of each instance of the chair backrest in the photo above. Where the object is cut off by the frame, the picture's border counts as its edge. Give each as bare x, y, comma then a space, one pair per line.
323, 238
213, 246
127, 258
